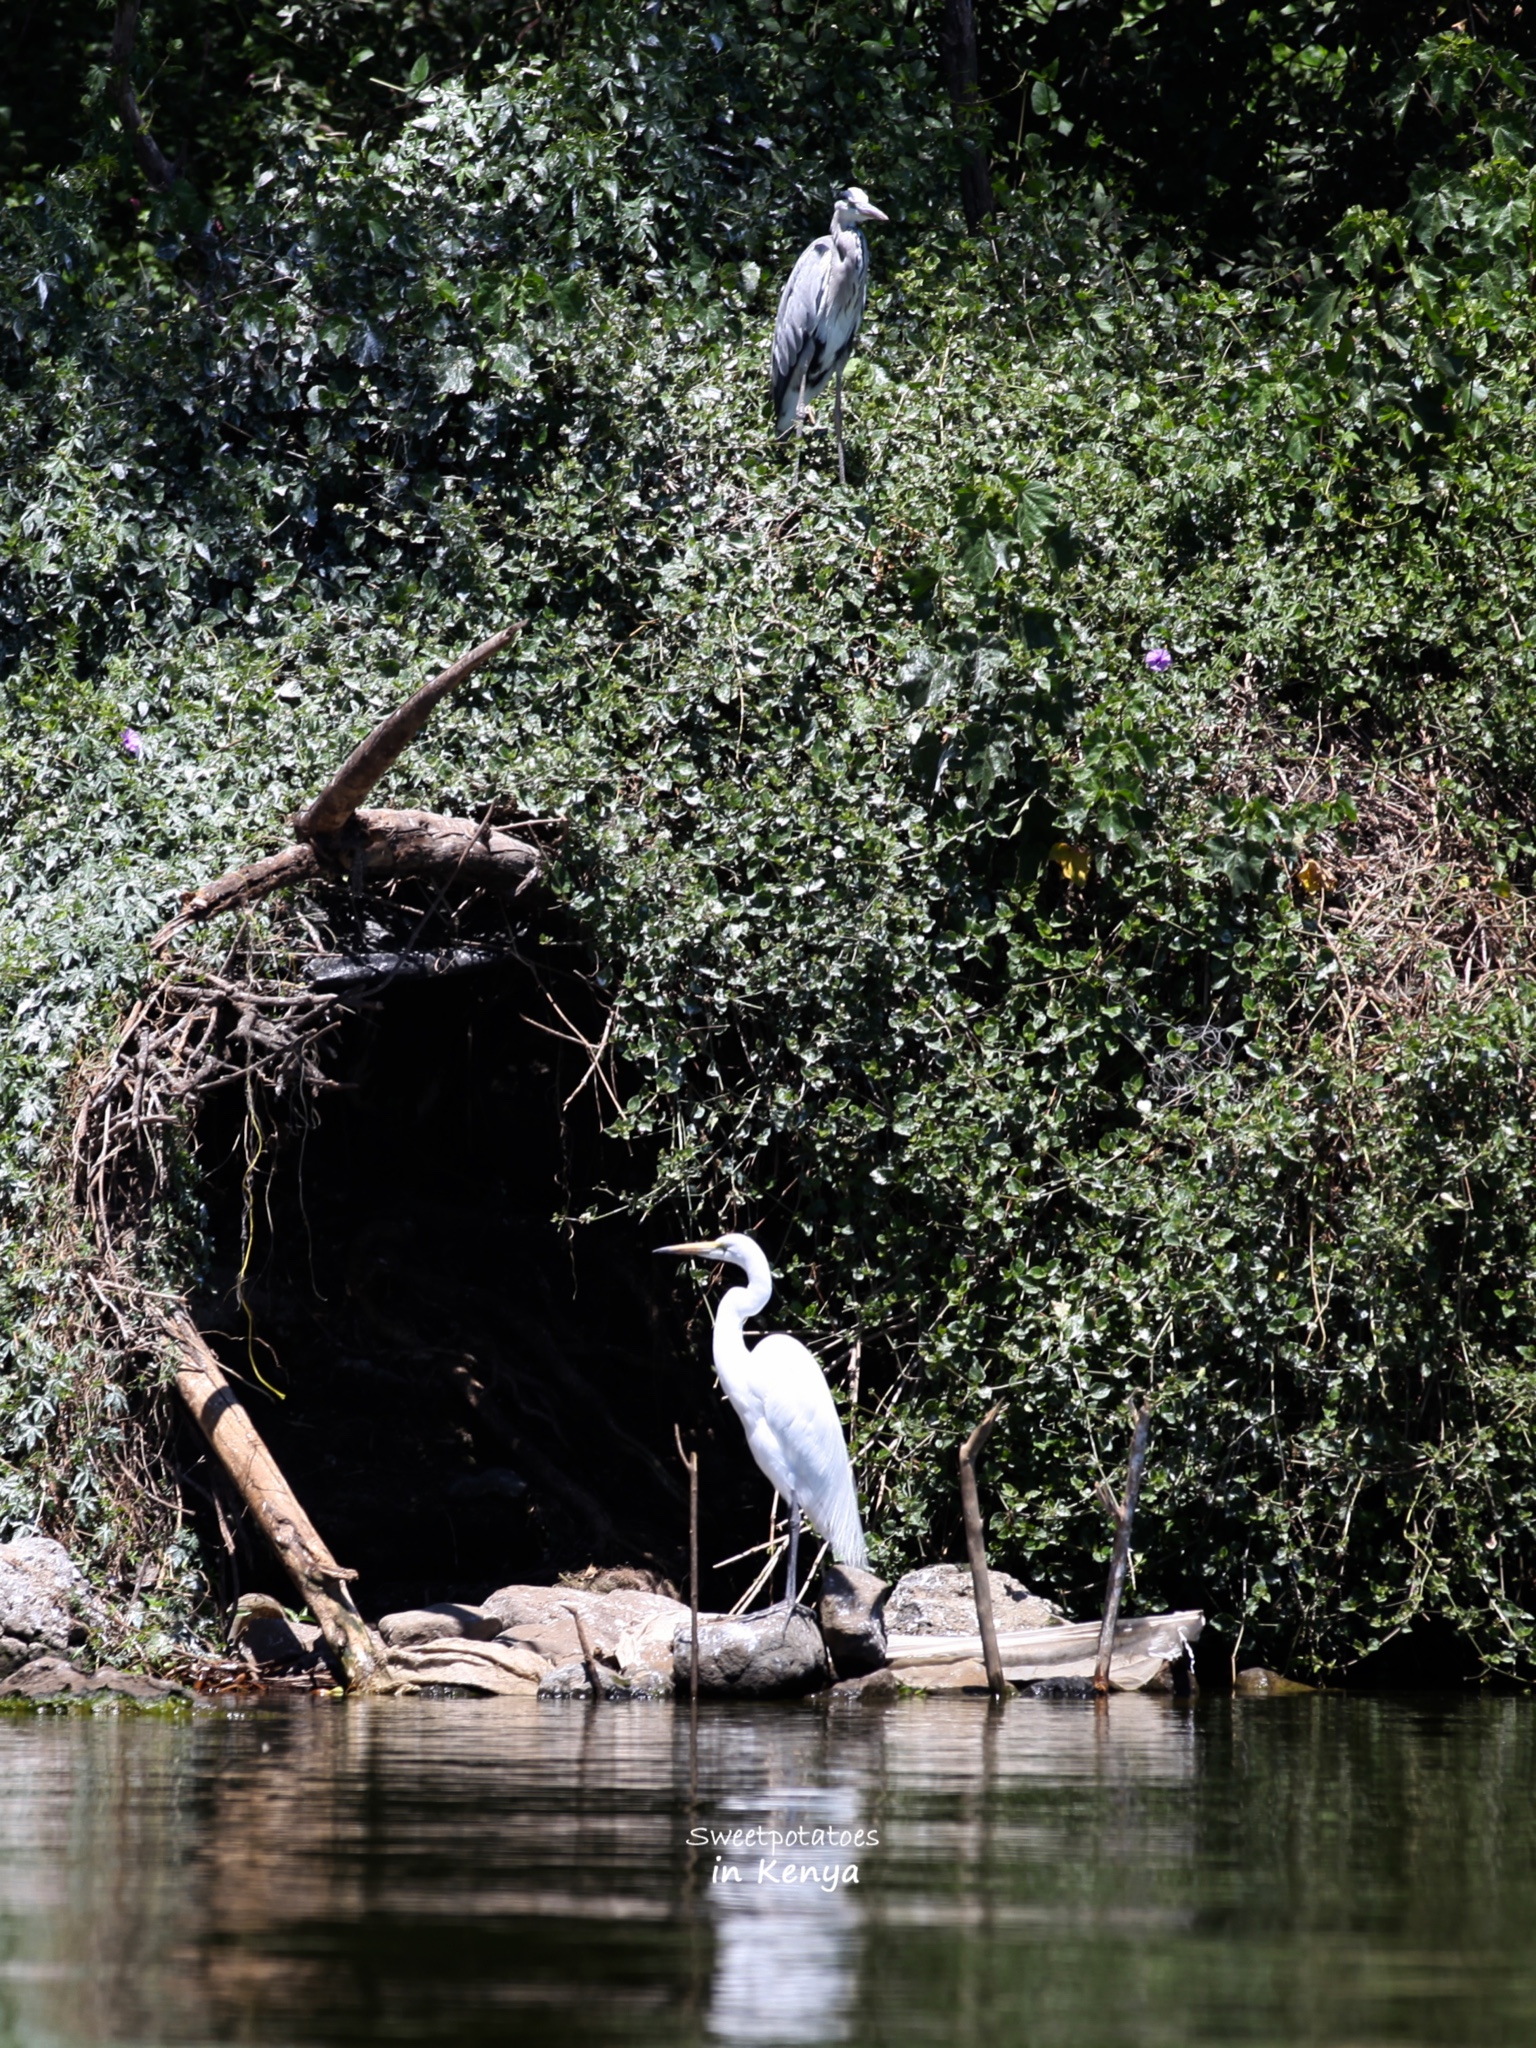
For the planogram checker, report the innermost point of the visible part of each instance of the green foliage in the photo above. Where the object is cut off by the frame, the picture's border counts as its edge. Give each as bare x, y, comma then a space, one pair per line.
949, 944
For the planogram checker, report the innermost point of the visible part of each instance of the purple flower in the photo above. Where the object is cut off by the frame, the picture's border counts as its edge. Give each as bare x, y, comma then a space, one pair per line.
133, 744
1158, 658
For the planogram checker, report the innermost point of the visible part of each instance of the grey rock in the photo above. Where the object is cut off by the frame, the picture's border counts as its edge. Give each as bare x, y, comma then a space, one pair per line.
872, 1686
432, 1624
939, 1601
1067, 1687
852, 1616
274, 1639
49, 1679
628, 1627
776, 1653
1259, 1683
566, 1682
572, 1682
45, 1598
13, 1654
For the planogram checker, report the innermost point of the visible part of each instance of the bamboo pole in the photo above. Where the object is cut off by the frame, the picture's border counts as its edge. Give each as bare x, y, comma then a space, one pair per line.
323, 1584
691, 1465
975, 1543
1120, 1558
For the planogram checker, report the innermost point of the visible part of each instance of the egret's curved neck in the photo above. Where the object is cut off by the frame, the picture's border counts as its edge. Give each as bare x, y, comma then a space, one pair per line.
736, 1304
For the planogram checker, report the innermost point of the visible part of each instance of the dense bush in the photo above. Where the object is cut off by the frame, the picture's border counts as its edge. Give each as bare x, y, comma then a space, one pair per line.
1068, 889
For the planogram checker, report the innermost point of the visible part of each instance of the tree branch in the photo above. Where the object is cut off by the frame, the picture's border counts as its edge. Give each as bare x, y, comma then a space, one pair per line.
370, 761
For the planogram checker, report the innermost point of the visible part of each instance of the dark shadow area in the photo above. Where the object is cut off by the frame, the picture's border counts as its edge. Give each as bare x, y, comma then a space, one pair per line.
1429, 1656
470, 1394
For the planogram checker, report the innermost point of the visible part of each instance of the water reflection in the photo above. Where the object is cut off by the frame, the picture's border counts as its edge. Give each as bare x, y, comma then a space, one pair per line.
1312, 1871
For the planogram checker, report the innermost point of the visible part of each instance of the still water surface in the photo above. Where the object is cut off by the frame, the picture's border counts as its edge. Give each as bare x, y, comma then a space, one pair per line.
1329, 1871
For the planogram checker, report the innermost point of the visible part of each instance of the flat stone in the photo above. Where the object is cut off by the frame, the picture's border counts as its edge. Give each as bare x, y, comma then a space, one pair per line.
963, 1674
852, 1616
776, 1653
443, 1618
498, 1669
51, 1678
1257, 1683
939, 1601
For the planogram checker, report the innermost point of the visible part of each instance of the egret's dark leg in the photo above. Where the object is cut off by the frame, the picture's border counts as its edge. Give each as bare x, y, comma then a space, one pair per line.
794, 1553
837, 416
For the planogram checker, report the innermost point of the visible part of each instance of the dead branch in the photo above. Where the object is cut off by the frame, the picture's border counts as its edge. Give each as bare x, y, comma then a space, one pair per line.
377, 754
1120, 1558
151, 158
373, 844
975, 1543
691, 1466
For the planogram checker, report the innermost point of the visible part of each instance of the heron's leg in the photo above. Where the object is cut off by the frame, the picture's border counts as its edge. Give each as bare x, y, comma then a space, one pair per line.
794, 1553
837, 417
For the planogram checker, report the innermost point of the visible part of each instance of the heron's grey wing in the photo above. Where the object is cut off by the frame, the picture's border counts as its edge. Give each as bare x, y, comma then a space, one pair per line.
797, 1408
794, 329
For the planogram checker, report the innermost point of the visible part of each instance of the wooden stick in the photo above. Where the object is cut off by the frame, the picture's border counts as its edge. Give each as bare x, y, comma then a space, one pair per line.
377, 754
323, 1584
1120, 1557
692, 1467
588, 1653
975, 1543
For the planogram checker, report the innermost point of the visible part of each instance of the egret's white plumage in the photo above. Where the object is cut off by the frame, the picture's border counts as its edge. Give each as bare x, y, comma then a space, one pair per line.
786, 1409
820, 309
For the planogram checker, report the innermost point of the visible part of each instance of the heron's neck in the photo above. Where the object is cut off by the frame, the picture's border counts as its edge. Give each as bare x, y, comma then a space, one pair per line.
736, 1304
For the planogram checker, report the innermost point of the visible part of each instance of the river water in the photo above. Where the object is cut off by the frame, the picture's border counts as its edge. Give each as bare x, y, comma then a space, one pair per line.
1328, 1871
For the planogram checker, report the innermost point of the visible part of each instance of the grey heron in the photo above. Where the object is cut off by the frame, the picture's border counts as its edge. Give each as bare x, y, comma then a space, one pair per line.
819, 313
778, 1390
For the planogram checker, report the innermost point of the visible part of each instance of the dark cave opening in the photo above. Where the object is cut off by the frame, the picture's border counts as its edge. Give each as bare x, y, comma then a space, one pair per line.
463, 1392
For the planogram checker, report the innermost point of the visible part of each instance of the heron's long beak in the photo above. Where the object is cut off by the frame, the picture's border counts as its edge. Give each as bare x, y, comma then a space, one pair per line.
689, 1251
872, 213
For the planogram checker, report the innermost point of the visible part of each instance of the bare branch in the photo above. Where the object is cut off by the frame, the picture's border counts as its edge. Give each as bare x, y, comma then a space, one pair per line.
378, 753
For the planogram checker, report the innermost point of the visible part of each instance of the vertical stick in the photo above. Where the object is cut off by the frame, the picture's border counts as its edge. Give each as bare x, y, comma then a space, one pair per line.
1121, 1556
691, 1465
588, 1653
975, 1544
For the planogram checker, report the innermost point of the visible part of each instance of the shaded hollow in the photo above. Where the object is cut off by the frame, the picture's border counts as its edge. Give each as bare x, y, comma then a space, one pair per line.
471, 1395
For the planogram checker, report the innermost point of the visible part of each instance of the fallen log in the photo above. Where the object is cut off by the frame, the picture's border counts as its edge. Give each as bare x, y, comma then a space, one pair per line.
1069, 1650
322, 1583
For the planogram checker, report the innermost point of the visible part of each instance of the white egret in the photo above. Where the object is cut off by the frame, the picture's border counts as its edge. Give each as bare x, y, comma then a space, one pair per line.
819, 313
778, 1390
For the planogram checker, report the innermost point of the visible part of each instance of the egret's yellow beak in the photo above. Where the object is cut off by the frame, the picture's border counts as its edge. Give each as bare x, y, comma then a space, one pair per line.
690, 1251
